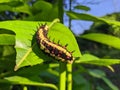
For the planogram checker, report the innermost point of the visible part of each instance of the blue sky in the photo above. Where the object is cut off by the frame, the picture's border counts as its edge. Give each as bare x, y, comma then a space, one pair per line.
98, 8
105, 7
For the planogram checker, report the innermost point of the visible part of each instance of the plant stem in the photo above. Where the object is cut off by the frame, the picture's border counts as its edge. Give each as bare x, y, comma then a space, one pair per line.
25, 88
62, 67
69, 66
69, 76
62, 73
53, 22
60, 9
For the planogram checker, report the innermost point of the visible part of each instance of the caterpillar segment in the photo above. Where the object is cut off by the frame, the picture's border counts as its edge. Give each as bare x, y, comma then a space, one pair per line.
54, 49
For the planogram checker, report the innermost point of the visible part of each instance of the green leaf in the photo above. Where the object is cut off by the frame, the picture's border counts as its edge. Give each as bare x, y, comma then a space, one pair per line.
7, 58
12, 3
42, 5
97, 73
104, 39
35, 81
81, 7
44, 11
88, 17
104, 62
100, 74
83, 16
90, 59
23, 8
28, 71
5, 7
110, 84
27, 55
6, 1
20, 7
7, 39
86, 58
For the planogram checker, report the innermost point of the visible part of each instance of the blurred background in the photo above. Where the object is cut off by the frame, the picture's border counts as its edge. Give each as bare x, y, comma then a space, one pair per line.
47, 10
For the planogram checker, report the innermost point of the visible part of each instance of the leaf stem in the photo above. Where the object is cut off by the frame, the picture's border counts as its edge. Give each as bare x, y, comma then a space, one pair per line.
54, 21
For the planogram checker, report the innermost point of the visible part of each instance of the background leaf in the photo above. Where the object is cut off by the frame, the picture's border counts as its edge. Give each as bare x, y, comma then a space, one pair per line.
100, 74
7, 39
91, 59
83, 16
25, 81
103, 38
81, 7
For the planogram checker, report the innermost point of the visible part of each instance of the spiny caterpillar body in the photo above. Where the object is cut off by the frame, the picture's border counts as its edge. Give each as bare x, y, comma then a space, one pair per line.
56, 50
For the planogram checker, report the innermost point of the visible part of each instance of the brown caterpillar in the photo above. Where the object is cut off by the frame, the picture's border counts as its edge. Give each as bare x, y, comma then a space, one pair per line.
56, 50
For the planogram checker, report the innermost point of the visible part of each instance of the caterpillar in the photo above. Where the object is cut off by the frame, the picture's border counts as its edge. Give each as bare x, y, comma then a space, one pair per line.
54, 49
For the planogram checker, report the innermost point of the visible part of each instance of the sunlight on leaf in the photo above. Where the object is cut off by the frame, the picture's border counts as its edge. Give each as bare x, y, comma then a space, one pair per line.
91, 59
32, 55
103, 38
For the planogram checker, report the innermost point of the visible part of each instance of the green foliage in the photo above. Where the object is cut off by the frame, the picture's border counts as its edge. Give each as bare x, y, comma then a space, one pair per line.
106, 39
83, 16
81, 7
40, 10
23, 31
19, 51
103, 38
7, 39
100, 74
